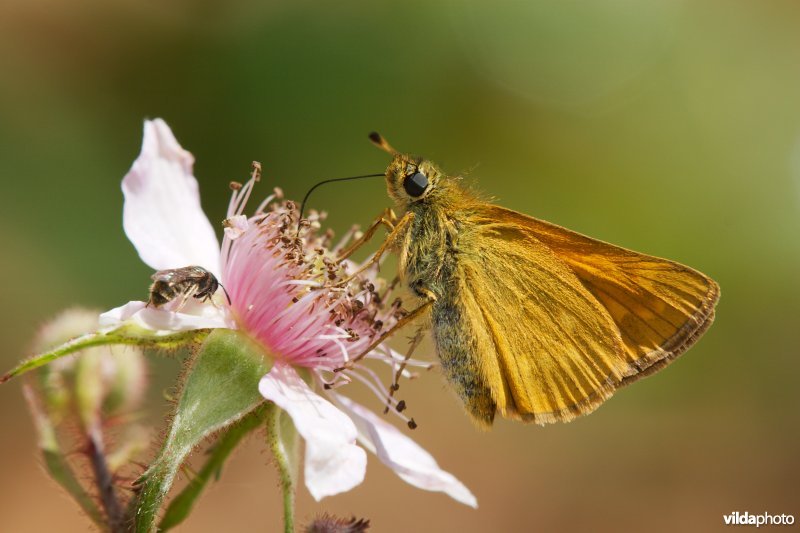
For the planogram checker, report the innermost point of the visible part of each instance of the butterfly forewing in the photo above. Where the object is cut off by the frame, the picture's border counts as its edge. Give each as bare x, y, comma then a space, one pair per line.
578, 318
660, 307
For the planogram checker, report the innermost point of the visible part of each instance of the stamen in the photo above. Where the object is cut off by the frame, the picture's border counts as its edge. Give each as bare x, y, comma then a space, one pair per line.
235, 187
345, 239
248, 188
306, 282
237, 205
397, 356
292, 309
265, 203
338, 381
255, 173
345, 355
372, 387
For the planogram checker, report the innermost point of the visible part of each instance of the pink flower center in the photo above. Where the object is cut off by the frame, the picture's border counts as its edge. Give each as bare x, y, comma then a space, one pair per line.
284, 287
286, 291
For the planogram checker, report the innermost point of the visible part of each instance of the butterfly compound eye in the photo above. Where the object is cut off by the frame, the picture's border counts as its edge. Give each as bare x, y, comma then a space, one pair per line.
415, 184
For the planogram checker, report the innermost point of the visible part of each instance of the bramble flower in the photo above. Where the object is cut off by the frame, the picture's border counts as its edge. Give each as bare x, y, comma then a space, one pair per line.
286, 292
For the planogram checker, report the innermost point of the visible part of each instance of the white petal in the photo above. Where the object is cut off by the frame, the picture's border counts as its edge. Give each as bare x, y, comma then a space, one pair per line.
333, 463
193, 316
412, 463
162, 216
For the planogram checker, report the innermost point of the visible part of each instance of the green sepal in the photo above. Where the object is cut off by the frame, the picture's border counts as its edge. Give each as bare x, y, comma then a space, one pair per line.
181, 505
220, 387
127, 334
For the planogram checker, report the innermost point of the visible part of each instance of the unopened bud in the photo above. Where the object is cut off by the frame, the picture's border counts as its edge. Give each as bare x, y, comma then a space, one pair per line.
98, 382
327, 523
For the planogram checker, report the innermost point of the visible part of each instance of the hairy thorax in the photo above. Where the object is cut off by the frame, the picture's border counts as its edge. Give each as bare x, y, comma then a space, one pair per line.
431, 250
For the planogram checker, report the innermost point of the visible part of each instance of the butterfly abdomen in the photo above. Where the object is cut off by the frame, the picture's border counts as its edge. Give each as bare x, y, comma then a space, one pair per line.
457, 347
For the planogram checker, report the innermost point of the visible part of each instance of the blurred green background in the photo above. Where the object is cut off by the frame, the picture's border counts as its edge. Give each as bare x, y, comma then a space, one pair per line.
670, 127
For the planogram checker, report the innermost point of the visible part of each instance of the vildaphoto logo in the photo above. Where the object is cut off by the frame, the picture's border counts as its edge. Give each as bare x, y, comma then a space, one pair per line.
765, 519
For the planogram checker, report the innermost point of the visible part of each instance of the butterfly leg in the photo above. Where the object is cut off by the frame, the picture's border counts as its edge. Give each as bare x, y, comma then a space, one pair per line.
395, 386
389, 288
387, 218
425, 306
397, 232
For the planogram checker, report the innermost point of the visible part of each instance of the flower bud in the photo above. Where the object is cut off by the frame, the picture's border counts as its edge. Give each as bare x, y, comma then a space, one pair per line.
327, 523
97, 383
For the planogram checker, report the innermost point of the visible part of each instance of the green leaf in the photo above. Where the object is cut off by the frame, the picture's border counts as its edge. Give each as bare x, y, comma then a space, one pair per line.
220, 388
283, 441
56, 463
131, 335
180, 506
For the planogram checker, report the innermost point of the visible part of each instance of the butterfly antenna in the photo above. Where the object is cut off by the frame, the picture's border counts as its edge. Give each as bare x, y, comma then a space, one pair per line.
381, 143
323, 182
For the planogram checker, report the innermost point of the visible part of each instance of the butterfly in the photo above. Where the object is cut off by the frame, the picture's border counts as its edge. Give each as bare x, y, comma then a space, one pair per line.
529, 319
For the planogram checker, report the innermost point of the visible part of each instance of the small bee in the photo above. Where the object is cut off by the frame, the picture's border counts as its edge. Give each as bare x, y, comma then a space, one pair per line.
194, 281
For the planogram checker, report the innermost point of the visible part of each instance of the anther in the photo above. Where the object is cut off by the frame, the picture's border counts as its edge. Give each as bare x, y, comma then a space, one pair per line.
256, 173
412, 424
235, 185
353, 335
347, 366
401, 406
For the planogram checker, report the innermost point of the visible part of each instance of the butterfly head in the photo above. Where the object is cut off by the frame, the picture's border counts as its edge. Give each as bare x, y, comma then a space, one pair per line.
409, 178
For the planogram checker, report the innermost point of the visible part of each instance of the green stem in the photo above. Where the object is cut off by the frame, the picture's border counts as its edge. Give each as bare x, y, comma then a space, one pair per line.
282, 440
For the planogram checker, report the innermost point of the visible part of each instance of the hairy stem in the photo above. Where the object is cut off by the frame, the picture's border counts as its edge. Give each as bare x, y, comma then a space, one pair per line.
105, 483
282, 443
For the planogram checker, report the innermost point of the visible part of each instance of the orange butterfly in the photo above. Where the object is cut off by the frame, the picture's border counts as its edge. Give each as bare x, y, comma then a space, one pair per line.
529, 319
